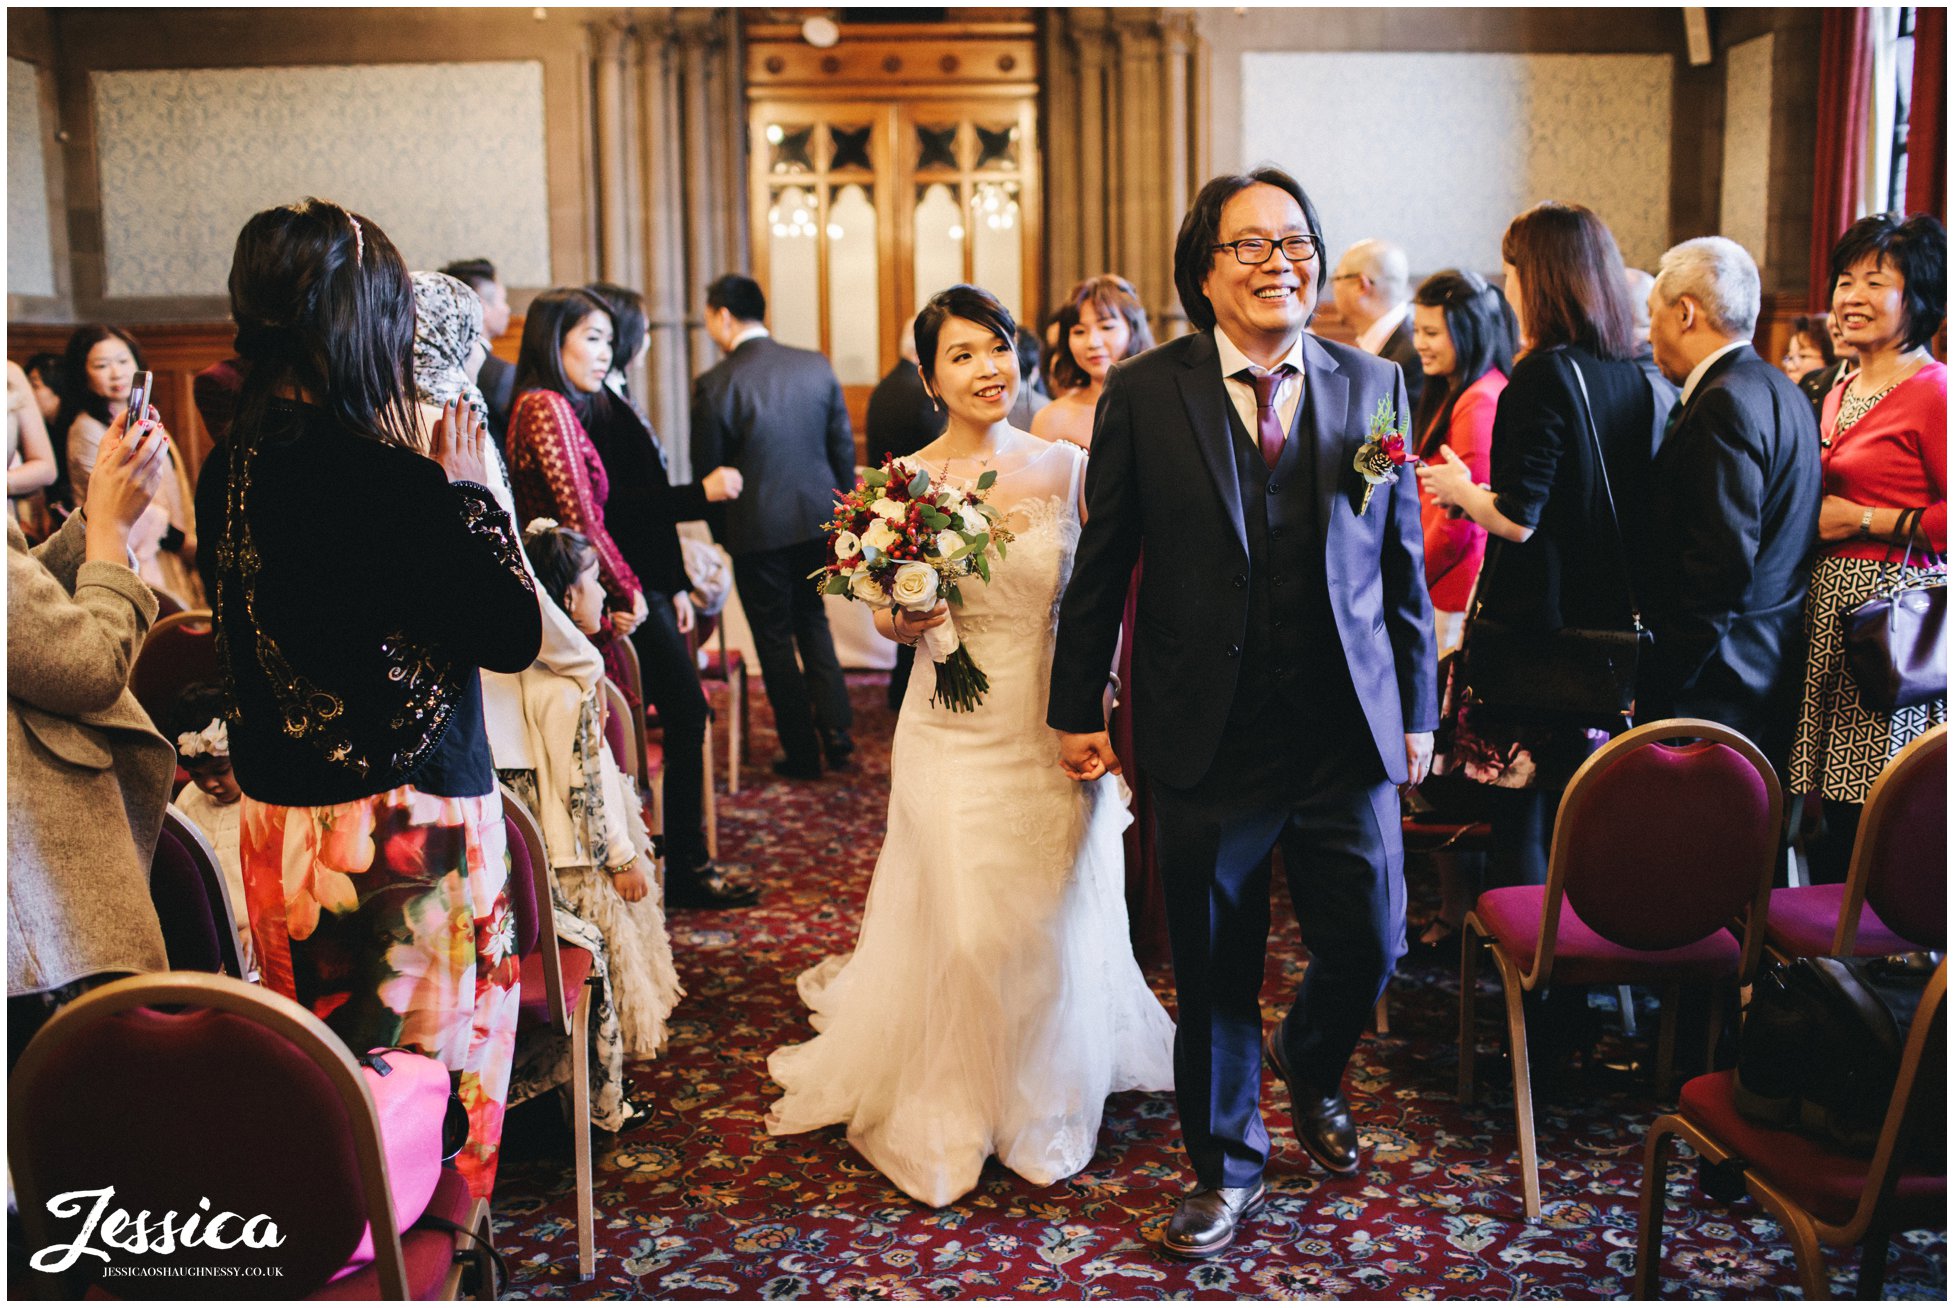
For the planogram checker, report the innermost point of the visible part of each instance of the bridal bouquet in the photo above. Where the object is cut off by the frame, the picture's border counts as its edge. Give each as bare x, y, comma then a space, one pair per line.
897, 541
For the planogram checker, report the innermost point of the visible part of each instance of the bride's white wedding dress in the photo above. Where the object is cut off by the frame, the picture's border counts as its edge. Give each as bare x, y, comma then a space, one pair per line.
992, 1001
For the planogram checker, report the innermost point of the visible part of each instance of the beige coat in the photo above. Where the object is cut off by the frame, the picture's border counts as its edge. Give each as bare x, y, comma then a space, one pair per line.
88, 775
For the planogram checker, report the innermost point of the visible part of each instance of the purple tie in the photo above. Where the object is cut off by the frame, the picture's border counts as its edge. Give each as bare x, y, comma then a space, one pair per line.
1268, 425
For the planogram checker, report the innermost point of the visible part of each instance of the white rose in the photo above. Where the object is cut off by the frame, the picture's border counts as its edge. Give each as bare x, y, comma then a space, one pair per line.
879, 536
915, 586
888, 508
971, 520
868, 590
847, 546
948, 543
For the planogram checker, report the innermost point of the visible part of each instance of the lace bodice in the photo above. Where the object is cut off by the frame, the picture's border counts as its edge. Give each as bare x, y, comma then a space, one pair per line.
1016, 613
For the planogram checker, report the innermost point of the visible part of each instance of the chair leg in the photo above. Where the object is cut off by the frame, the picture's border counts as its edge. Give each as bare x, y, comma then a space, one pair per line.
1713, 1026
1470, 944
1811, 1259
1655, 1184
712, 803
1665, 1046
580, 1129
1516, 1035
734, 745
1381, 1015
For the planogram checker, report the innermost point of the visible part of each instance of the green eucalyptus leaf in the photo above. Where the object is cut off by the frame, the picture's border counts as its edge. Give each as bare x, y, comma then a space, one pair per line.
875, 477
988, 480
919, 483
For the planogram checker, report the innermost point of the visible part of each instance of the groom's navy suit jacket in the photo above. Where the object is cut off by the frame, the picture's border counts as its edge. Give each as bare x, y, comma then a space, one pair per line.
1164, 473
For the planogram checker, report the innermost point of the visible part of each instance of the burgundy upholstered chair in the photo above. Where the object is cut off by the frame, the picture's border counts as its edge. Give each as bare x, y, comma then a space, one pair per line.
1657, 848
1819, 1195
556, 996
193, 900
179, 649
1895, 894
236, 1095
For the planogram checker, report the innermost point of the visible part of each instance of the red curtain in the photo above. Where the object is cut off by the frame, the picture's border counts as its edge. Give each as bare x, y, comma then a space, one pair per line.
1845, 93
1927, 116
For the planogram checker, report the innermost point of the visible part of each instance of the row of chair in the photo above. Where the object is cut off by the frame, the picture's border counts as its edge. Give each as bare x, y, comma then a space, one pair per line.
1664, 852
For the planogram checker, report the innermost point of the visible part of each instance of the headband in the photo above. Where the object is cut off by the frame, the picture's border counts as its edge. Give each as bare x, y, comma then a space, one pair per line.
214, 739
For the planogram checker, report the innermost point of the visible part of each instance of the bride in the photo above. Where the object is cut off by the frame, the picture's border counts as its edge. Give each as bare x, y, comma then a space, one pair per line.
991, 1002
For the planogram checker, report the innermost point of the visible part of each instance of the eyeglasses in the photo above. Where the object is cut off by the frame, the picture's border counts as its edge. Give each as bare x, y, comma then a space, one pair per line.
1254, 250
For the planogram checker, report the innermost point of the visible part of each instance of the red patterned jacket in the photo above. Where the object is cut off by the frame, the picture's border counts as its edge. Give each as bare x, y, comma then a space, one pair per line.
555, 473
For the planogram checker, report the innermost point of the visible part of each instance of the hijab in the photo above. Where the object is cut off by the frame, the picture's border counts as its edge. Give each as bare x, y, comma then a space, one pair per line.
447, 323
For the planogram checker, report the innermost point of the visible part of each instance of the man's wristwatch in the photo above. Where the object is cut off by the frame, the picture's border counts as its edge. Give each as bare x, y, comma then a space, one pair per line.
1866, 525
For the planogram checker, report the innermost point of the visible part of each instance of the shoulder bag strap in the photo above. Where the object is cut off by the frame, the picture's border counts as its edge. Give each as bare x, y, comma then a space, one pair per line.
1607, 492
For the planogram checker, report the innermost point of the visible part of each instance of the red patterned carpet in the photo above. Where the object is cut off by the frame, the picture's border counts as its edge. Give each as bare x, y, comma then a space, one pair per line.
702, 1204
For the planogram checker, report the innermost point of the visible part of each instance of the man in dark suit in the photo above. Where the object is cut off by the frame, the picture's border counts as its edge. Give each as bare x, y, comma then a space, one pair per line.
902, 418
498, 376
1372, 288
1283, 674
1735, 511
776, 414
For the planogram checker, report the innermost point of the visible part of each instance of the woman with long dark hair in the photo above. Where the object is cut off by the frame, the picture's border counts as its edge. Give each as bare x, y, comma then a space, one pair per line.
564, 399
1553, 561
362, 575
1463, 332
97, 372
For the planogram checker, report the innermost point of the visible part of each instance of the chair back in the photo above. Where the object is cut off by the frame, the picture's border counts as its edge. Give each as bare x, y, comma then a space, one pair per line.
1658, 845
529, 900
628, 670
236, 1095
1899, 861
193, 900
179, 649
624, 731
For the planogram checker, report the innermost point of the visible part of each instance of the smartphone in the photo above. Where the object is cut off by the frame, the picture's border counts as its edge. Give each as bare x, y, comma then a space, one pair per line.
140, 392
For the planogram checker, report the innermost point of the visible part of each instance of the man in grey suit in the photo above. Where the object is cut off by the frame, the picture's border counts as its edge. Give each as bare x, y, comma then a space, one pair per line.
776, 413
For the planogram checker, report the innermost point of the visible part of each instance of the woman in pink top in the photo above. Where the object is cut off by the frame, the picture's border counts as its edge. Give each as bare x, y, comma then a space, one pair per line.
1463, 331
1884, 433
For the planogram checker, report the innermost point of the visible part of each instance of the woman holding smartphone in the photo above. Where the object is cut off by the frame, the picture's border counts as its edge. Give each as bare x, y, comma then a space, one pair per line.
102, 367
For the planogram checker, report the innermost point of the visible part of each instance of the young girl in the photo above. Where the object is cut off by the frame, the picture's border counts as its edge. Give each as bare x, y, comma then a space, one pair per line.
594, 832
210, 799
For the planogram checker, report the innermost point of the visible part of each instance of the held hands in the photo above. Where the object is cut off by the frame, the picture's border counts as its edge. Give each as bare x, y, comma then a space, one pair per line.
1839, 518
682, 611
721, 484
1086, 756
458, 444
1417, 756
128, 471
909, 626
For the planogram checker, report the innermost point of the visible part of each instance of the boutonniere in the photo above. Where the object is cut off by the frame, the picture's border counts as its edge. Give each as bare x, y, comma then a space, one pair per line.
1380, 457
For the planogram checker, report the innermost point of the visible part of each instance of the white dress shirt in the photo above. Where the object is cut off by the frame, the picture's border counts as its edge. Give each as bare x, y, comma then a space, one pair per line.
755, 330
1703, 366
1289, 392
1371, 339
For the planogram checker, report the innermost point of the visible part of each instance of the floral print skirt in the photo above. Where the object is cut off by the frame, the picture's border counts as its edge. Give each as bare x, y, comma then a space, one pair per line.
389, 918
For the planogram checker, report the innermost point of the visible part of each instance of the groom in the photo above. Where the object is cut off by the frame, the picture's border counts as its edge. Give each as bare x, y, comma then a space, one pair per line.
1283, 674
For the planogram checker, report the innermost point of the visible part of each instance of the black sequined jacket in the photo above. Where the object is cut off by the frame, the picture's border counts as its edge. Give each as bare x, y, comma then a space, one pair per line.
357, 594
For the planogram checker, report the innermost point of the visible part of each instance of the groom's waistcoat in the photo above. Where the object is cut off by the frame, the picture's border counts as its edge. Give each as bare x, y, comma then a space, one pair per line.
1290, 651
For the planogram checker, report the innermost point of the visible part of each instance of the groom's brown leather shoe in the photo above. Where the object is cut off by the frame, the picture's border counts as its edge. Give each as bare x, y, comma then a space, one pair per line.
1205, 1222
1322, 1122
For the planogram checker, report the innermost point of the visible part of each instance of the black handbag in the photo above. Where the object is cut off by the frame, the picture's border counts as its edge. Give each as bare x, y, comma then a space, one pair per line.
1896, 642
1574, 675
1821, 1046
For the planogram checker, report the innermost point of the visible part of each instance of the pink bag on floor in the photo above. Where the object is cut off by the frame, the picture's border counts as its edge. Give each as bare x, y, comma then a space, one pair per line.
422, 1125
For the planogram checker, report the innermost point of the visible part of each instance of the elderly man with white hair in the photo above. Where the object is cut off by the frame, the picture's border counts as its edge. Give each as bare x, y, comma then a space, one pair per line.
1372, 288
1735, 510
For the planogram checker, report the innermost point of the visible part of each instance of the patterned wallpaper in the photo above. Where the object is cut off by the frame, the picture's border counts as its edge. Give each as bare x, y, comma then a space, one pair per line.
1438, 152
30, 246
1746, 215
448, 158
